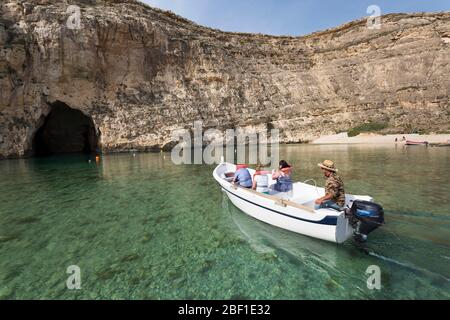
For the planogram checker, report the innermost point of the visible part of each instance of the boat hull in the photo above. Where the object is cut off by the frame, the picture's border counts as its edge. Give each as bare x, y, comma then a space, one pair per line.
440, 144
416, 143
325, 229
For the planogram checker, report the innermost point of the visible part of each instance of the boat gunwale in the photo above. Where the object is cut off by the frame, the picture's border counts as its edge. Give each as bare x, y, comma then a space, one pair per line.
280, 201
327, 220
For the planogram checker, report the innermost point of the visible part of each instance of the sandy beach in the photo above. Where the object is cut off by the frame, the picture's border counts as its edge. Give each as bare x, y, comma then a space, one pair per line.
372, 138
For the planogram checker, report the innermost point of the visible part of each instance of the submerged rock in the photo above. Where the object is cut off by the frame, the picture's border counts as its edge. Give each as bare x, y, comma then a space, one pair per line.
331, 284
10, 237
27, 220
129, 258
137, 73
5, 293
108, 273
146, 238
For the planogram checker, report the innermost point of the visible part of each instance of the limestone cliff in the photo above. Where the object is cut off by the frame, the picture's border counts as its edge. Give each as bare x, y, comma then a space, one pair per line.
139, 73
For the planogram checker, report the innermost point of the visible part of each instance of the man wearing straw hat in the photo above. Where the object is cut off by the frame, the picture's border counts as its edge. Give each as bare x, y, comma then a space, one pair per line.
334, 188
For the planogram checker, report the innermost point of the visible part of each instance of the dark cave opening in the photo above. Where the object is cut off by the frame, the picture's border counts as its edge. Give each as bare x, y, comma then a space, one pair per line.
65, 130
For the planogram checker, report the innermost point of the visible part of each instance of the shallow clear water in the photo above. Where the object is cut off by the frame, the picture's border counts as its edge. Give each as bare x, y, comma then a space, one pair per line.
143, 228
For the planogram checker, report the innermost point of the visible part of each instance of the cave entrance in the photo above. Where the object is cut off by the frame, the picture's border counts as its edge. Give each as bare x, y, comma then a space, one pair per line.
65, 130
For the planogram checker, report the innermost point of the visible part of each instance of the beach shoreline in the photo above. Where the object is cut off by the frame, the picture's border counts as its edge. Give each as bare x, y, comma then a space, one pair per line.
373, 138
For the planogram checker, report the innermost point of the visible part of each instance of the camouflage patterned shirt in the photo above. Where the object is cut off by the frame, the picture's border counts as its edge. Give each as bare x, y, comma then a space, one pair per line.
335, 187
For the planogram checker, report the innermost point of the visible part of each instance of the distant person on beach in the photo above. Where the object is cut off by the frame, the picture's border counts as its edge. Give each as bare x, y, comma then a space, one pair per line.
261, 180
243, 177
283, 177
334, 188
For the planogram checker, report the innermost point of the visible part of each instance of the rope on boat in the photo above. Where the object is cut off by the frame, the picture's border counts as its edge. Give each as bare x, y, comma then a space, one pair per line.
315, 184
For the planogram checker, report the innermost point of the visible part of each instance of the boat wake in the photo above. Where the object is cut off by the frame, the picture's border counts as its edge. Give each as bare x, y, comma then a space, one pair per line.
322, 256
409, 266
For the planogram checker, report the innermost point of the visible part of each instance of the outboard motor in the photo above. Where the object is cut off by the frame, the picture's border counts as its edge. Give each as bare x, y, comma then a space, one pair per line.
365, 217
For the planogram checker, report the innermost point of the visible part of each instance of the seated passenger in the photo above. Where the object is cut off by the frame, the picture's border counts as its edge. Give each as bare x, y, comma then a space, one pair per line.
261, 180
283, 177
243, 177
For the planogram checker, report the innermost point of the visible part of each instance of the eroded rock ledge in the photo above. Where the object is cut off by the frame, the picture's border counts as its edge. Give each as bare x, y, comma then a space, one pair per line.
139, 73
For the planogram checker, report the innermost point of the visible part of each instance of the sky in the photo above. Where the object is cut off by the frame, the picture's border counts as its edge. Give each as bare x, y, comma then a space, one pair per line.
287, 17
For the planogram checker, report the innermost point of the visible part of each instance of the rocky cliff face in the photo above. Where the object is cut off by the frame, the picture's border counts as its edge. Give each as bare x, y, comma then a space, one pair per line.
139, 73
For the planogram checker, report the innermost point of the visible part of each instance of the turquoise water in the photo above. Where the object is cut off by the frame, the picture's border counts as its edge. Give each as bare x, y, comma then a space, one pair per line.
143, 228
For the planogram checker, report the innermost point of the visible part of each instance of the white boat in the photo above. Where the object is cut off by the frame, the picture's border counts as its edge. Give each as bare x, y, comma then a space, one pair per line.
293, 211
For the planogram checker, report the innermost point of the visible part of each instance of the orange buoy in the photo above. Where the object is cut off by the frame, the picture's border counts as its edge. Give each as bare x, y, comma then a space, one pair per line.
97, 158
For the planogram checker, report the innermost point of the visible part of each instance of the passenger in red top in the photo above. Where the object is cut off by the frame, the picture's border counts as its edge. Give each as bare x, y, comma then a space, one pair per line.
283, 177
261, 180
242, 176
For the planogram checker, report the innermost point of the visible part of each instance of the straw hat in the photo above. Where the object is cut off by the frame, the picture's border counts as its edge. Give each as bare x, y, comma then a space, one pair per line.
328, 165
